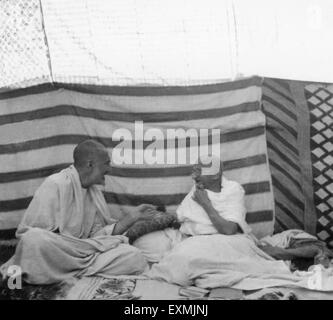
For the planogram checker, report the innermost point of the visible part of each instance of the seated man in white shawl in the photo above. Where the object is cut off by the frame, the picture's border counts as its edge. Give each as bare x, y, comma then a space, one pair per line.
218, 248
67, 229
215, 204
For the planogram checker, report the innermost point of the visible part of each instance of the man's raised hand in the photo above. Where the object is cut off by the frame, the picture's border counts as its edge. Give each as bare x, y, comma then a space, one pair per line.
201, 197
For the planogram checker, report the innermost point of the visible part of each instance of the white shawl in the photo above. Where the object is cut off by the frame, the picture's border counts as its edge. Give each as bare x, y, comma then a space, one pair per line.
61, 204
229, 203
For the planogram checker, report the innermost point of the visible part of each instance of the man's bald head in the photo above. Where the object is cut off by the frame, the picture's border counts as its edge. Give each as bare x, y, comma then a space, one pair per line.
86, 151
208, 165
207, 173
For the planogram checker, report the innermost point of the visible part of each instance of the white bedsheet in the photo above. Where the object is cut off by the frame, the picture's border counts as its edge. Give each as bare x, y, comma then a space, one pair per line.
210, 261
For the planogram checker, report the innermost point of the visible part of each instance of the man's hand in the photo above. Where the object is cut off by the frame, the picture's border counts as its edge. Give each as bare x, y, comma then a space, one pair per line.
145, 211
200, 196
223, 226
141, 212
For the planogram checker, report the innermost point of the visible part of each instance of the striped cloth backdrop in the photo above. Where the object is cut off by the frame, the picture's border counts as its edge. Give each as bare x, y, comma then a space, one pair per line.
284, 159
299, 119
40, 126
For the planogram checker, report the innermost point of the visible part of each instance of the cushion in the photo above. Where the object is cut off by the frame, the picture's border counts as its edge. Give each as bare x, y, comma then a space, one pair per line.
155, 245
161, 220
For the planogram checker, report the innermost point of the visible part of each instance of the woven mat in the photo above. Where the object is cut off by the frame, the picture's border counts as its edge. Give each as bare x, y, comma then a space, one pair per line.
122, 288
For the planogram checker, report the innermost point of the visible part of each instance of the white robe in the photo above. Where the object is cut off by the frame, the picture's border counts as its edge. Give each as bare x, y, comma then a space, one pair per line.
210, 260
67, 231
229, 203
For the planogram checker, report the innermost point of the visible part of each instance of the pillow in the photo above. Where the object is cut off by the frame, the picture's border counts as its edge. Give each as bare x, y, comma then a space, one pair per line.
155, 245
161, 220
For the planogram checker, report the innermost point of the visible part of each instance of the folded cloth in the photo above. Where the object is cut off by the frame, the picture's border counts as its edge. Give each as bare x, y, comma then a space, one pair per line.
193, 292
155, 245
226, 294
283, 239
272, 294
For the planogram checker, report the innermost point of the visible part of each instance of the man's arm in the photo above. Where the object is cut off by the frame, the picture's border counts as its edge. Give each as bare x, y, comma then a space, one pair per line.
222, 226
124, 224
309, 251
142, 212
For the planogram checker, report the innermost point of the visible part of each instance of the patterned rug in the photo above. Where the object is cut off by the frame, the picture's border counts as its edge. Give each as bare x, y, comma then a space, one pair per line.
57, 291
98, 288
320, 102
300, 150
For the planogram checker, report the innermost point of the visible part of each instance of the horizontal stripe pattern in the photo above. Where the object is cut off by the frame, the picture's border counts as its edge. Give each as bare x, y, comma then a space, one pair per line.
43, 133
61, 110
135, 200
74, 126
109, 143
281, 114
131, 181
58, 154
251, 218
7, 234
134, 91
123, 104
8, 177
10, 219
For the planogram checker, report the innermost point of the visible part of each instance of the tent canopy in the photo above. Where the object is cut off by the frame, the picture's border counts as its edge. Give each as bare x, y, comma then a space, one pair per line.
130, 42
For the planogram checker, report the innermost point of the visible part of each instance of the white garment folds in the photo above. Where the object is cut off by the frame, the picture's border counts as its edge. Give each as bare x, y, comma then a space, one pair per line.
229, 203
66, 231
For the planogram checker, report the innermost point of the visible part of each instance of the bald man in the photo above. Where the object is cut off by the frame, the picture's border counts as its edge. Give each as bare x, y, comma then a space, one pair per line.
217, 248
67, 229
215, 204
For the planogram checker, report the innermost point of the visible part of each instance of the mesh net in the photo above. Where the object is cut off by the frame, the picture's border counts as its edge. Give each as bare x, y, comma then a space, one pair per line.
118, 42
23, 54
130, 42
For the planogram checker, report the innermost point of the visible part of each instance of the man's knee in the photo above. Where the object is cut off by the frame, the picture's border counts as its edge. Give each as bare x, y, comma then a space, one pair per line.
134, 257
34, 237
132, 252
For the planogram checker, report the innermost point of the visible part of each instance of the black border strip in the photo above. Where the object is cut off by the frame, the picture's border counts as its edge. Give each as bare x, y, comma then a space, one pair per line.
281, 155
281, 107
278, 92
259, 216
134, 90
251, 217
282, 140
287, 193
273, 117
14, 148
148, 117
7, 234
149, 172
134, 200
288, 213
283, 171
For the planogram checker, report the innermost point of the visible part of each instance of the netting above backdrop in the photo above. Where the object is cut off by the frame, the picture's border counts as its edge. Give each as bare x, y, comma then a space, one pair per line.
146, 42
183, 42
118, 42
23, 53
